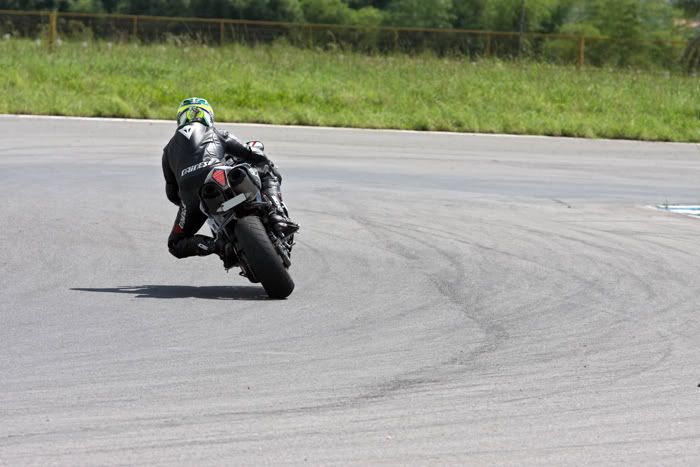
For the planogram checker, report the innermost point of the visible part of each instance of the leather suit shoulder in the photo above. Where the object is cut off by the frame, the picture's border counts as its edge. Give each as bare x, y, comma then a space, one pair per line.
225, 135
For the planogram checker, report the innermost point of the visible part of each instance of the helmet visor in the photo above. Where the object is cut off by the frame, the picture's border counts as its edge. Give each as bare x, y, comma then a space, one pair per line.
195, 113
195, 109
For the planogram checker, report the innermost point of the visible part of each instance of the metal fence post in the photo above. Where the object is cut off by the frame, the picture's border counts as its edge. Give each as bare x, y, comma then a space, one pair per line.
135, 27
221, 33
488, 44
581, 59
53, 24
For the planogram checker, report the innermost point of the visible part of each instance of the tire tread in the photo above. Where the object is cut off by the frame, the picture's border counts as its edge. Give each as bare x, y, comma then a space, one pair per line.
262, 257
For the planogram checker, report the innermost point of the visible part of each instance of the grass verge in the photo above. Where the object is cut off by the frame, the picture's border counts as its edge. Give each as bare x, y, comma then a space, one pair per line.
285, 85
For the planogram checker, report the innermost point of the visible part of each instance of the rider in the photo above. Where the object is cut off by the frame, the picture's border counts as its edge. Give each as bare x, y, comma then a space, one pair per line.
187, 159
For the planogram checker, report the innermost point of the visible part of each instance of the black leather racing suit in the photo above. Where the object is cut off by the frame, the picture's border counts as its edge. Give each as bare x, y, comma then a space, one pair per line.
187, 159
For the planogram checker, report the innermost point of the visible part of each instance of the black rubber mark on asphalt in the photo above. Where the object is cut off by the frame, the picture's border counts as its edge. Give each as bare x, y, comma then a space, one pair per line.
561, 202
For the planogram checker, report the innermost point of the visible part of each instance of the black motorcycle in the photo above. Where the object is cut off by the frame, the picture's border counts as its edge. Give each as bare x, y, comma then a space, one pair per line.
231, 198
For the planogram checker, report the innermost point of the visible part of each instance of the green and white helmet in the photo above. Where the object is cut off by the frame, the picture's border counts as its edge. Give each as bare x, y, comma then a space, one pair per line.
195, 109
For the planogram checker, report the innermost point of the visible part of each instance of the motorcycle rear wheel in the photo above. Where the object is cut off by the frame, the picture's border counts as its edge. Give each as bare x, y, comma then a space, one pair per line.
262, 258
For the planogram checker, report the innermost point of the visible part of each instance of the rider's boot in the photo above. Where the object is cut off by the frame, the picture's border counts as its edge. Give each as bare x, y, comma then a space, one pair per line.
201, 245
226, 252
197, 245
280, 216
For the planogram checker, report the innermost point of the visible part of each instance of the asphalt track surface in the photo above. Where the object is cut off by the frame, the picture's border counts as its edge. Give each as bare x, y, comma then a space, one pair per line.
460, 299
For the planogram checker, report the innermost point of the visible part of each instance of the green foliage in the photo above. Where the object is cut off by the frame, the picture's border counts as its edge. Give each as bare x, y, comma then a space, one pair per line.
628, 18
420, 13
628, 22
690, 7
328, 12
275, 10
86, 6
60, 5
468, 14
504, 15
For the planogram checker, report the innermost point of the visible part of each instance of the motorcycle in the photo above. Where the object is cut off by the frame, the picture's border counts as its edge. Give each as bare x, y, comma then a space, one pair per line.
238, 213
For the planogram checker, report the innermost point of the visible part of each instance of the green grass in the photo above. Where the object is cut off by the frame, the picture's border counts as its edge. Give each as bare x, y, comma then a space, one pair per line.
285, 85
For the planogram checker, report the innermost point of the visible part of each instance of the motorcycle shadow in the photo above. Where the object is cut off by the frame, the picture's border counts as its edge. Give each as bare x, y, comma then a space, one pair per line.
249, 292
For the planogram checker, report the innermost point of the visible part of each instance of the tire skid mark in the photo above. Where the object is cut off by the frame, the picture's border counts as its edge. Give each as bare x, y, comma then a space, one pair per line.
446, 288
413, 380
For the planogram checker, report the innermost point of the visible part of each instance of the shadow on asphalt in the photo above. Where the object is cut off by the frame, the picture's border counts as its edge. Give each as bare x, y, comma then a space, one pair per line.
184, 291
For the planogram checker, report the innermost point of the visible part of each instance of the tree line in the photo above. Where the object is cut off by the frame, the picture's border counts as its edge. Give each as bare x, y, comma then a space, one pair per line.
640, 29
618, 18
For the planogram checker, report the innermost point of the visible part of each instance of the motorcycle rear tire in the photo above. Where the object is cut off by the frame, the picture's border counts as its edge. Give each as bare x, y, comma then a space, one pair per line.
262, 257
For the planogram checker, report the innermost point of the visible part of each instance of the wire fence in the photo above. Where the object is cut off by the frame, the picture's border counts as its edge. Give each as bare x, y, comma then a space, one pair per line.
53, 27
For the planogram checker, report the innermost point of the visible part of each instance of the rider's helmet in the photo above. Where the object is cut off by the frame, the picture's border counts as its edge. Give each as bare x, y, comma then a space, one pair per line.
195, 109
